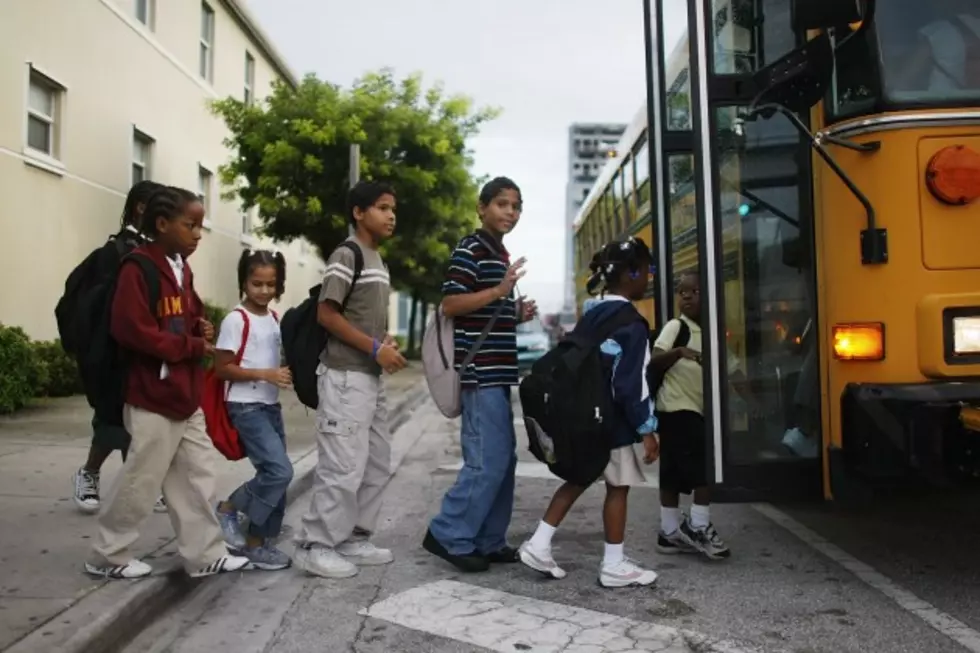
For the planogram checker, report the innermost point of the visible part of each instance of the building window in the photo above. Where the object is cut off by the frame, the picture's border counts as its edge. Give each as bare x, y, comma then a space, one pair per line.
142, 153
207, 42
204, 179
249, 78
145, 11
44, 101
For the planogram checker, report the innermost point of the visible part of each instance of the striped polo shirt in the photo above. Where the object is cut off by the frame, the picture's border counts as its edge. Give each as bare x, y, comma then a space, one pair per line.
474, 266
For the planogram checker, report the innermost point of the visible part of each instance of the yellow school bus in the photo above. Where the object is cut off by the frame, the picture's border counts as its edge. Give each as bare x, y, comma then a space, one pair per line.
818, 163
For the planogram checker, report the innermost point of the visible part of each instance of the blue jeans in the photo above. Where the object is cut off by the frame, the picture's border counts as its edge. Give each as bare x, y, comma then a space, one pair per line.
263, 499
477, 509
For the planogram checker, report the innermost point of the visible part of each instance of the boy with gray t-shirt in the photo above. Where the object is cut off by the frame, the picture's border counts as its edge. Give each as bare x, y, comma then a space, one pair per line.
354, 444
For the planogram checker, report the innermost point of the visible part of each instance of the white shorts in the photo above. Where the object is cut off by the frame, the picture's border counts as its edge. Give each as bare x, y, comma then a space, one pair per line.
625, 468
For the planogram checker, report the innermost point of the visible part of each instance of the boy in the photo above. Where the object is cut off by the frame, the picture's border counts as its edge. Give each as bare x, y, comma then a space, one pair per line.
470, 532
354, 460
683, 449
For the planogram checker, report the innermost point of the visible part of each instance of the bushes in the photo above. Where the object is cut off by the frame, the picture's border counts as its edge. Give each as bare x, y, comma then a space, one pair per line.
58, 371
20, 374
213, 314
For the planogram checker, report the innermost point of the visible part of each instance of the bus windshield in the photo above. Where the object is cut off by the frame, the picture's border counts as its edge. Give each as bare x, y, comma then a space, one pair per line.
930, 51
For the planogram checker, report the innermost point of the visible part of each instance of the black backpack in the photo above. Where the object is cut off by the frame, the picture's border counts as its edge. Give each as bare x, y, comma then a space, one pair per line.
568, 404
655, 377
102, 363
303, 339
80, 281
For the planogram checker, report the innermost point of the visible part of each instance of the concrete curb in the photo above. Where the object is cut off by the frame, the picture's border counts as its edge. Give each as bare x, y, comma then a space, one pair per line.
108, 617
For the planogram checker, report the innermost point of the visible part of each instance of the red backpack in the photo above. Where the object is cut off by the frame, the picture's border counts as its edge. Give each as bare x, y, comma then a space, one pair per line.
223, 434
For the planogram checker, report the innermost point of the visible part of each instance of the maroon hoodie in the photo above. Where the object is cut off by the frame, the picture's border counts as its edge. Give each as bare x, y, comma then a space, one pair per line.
169, 333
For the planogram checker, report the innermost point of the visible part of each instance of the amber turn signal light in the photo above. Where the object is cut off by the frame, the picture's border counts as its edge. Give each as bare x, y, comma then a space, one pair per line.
859, 342
953, 175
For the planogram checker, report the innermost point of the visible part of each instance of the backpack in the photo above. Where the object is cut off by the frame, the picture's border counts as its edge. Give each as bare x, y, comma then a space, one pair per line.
438, 356
222, 432
102, 364
303, 339
82, 279
655, 377
567, 399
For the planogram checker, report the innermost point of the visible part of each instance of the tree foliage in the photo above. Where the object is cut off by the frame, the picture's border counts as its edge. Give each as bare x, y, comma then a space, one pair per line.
292, 162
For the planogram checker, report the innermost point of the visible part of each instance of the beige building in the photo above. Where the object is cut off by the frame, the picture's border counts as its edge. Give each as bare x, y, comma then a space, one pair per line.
98, 94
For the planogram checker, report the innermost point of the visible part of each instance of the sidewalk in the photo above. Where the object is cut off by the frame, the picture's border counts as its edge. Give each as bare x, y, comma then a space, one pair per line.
45, 539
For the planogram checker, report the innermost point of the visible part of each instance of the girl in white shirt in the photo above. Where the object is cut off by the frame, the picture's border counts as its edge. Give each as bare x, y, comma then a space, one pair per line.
251, 333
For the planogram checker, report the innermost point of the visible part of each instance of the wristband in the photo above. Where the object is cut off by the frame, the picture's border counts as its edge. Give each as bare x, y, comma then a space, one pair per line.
375, 346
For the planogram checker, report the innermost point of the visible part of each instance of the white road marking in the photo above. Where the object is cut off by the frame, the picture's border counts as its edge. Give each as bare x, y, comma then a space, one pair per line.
504, 622
941, 621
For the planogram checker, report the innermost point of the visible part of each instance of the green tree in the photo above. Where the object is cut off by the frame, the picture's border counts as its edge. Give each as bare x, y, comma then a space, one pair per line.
292, 162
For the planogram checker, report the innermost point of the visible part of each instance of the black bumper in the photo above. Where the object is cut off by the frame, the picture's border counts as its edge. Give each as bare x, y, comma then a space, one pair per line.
894, 433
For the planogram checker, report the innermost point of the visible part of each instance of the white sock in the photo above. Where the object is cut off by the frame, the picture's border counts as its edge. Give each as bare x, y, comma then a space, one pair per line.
613, 554
700, 517
670, 520
541, 540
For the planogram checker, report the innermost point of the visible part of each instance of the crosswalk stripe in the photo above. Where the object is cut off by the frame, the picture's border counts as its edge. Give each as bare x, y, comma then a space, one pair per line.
504, 622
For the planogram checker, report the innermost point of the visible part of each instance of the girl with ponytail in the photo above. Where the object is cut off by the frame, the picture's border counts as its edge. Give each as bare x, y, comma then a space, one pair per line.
247, 357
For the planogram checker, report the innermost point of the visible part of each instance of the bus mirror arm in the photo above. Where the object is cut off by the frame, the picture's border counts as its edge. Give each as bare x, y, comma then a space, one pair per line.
874, 241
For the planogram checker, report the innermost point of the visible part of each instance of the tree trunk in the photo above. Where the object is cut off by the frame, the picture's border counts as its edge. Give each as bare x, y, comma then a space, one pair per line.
424, 320
412, 315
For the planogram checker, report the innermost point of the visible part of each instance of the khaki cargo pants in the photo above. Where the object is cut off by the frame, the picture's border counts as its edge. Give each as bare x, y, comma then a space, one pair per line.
353, 458
179, 457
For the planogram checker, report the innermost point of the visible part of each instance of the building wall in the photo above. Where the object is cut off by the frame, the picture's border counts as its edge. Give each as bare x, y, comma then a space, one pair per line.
117, 76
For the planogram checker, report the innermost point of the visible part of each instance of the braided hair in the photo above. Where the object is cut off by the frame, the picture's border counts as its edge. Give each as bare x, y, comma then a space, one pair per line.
138, 195
613, 260
167, 202
255, 258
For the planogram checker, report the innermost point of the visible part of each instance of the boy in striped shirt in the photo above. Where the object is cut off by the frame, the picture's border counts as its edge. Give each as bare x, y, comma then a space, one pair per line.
470, 531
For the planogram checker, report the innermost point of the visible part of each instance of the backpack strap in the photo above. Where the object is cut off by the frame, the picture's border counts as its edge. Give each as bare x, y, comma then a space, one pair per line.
358, 269
275, 315
588, 338
246, 327
683, 335
151, 276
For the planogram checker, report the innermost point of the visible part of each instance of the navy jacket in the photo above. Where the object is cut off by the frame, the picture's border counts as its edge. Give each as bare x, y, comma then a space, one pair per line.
626, 355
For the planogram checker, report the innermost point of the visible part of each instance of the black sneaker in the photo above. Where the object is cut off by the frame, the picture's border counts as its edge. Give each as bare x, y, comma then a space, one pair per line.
706, 540
506, 555
673, 543
469, 563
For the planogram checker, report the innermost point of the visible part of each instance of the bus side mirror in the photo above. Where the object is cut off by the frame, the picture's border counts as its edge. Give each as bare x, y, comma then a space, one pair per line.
798, 80
808, 15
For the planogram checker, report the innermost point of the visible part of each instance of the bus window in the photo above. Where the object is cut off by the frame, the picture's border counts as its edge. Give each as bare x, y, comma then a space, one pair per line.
743, 41
641, 168
930, 51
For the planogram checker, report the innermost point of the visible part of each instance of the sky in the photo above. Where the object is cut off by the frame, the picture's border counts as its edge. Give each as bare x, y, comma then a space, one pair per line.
545, 63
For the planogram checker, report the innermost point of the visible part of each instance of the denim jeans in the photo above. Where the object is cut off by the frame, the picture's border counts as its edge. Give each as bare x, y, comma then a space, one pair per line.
263, 499
476, 510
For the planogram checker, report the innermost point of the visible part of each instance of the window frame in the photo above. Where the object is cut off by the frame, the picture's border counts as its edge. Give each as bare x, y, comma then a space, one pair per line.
143, 139
205, 192
205, 65
53, 159
151, 13
249, 92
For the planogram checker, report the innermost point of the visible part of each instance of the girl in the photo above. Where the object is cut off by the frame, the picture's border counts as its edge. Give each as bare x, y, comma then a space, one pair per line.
254, 410
164, 346
623, 269
106, 438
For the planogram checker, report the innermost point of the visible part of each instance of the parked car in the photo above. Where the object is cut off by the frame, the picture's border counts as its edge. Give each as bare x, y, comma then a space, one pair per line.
533, 342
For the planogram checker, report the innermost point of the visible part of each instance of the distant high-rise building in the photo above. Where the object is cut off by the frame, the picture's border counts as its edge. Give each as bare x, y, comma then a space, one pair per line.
589, 145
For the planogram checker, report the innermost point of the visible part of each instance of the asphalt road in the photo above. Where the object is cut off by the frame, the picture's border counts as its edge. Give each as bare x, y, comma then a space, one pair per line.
791, 585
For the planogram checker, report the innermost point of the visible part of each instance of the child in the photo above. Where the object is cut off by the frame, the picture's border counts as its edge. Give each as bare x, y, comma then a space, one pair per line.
254, 410
683, 449
170, 447
623, 269
354, 445
106, 437
470, 531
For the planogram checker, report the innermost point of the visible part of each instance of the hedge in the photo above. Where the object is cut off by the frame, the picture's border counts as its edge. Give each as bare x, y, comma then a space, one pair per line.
31, 369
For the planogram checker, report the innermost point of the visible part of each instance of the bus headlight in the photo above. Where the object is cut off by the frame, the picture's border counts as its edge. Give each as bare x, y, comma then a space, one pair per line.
966, 335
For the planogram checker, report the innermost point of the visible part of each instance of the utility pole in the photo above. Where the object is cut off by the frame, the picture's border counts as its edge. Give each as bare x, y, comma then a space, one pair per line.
355, 173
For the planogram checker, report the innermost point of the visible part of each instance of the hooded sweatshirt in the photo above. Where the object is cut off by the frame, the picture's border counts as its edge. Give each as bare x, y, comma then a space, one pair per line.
625, 355
163, 344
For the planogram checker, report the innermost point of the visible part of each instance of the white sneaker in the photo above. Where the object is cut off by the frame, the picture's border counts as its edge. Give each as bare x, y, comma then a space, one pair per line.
625, 573
540, 561
160, 505
362, 552
86, 492
222, 565
130, 570
321, 561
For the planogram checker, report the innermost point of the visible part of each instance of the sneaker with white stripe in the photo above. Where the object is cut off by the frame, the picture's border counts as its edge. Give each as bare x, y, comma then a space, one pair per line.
540, 561
130, 570
625, 573
222, 565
